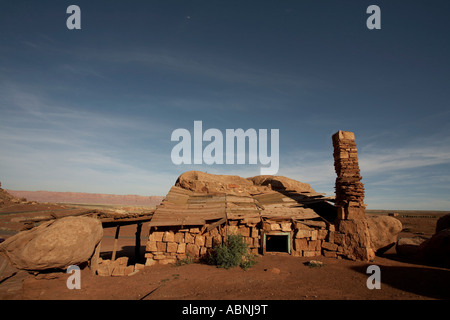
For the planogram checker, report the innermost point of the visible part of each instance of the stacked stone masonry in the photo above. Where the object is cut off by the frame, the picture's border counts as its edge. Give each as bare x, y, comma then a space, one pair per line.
118, 267
169, 244
349, 189
309, 238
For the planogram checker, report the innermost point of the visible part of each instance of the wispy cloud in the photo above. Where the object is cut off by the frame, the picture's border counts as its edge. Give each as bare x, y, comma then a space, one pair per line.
378, 161
47, 142
200, 64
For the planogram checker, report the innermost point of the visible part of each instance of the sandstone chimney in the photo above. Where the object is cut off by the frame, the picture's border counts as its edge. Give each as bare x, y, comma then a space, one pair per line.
349, 189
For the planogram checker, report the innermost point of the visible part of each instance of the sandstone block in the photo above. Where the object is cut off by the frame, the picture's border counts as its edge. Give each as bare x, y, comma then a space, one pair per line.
329, 254
301, 244
301, 226
167, 261
311, 253
339, 238
194, 230
322, 234
179, 237
329, 246
151, 246
168, 236
303, 233
275, 227
161, 246
172, 247
208, 241
199, 240
139, 266
192, 249
156, 236
214, 232
244, 231
314, 245
188, 238
118, 271
122, 261
128, 270
181, 248
266, 226
104, 270
330, 236
150, 262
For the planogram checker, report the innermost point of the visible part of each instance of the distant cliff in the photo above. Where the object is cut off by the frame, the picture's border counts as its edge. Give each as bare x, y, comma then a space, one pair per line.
87, 198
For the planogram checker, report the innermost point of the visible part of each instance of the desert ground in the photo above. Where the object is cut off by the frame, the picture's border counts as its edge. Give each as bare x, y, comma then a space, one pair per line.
276, 276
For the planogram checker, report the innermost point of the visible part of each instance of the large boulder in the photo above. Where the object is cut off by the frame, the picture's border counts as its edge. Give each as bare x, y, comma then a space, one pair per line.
55, 244
437, 249
383, 231
409, 247
280, 183
202, 182
443, 223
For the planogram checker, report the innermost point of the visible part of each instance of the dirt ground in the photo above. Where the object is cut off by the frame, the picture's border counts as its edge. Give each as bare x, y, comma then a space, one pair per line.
274, 277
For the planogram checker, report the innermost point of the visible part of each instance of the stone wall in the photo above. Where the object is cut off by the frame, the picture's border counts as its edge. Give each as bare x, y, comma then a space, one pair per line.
250, 231
309, 238
169, 244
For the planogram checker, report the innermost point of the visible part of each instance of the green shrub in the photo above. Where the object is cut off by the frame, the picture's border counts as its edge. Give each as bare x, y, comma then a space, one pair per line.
233, 253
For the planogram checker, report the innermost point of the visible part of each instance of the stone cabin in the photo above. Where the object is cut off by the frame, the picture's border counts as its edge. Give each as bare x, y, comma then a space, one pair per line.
273, 214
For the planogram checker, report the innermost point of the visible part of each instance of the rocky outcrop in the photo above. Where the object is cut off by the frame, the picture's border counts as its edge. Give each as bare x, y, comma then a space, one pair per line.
55, 244
202, 182
280, 183
436, 250
443, 223
409, 247
87, 198
7, 199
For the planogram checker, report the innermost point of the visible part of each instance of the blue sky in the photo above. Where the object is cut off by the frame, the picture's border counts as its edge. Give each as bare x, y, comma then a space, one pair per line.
92, 110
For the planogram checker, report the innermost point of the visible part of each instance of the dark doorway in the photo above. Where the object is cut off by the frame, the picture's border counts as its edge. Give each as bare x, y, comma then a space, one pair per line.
277, 243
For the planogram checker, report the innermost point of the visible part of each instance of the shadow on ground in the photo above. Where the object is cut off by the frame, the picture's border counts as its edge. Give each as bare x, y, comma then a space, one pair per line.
425, 281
